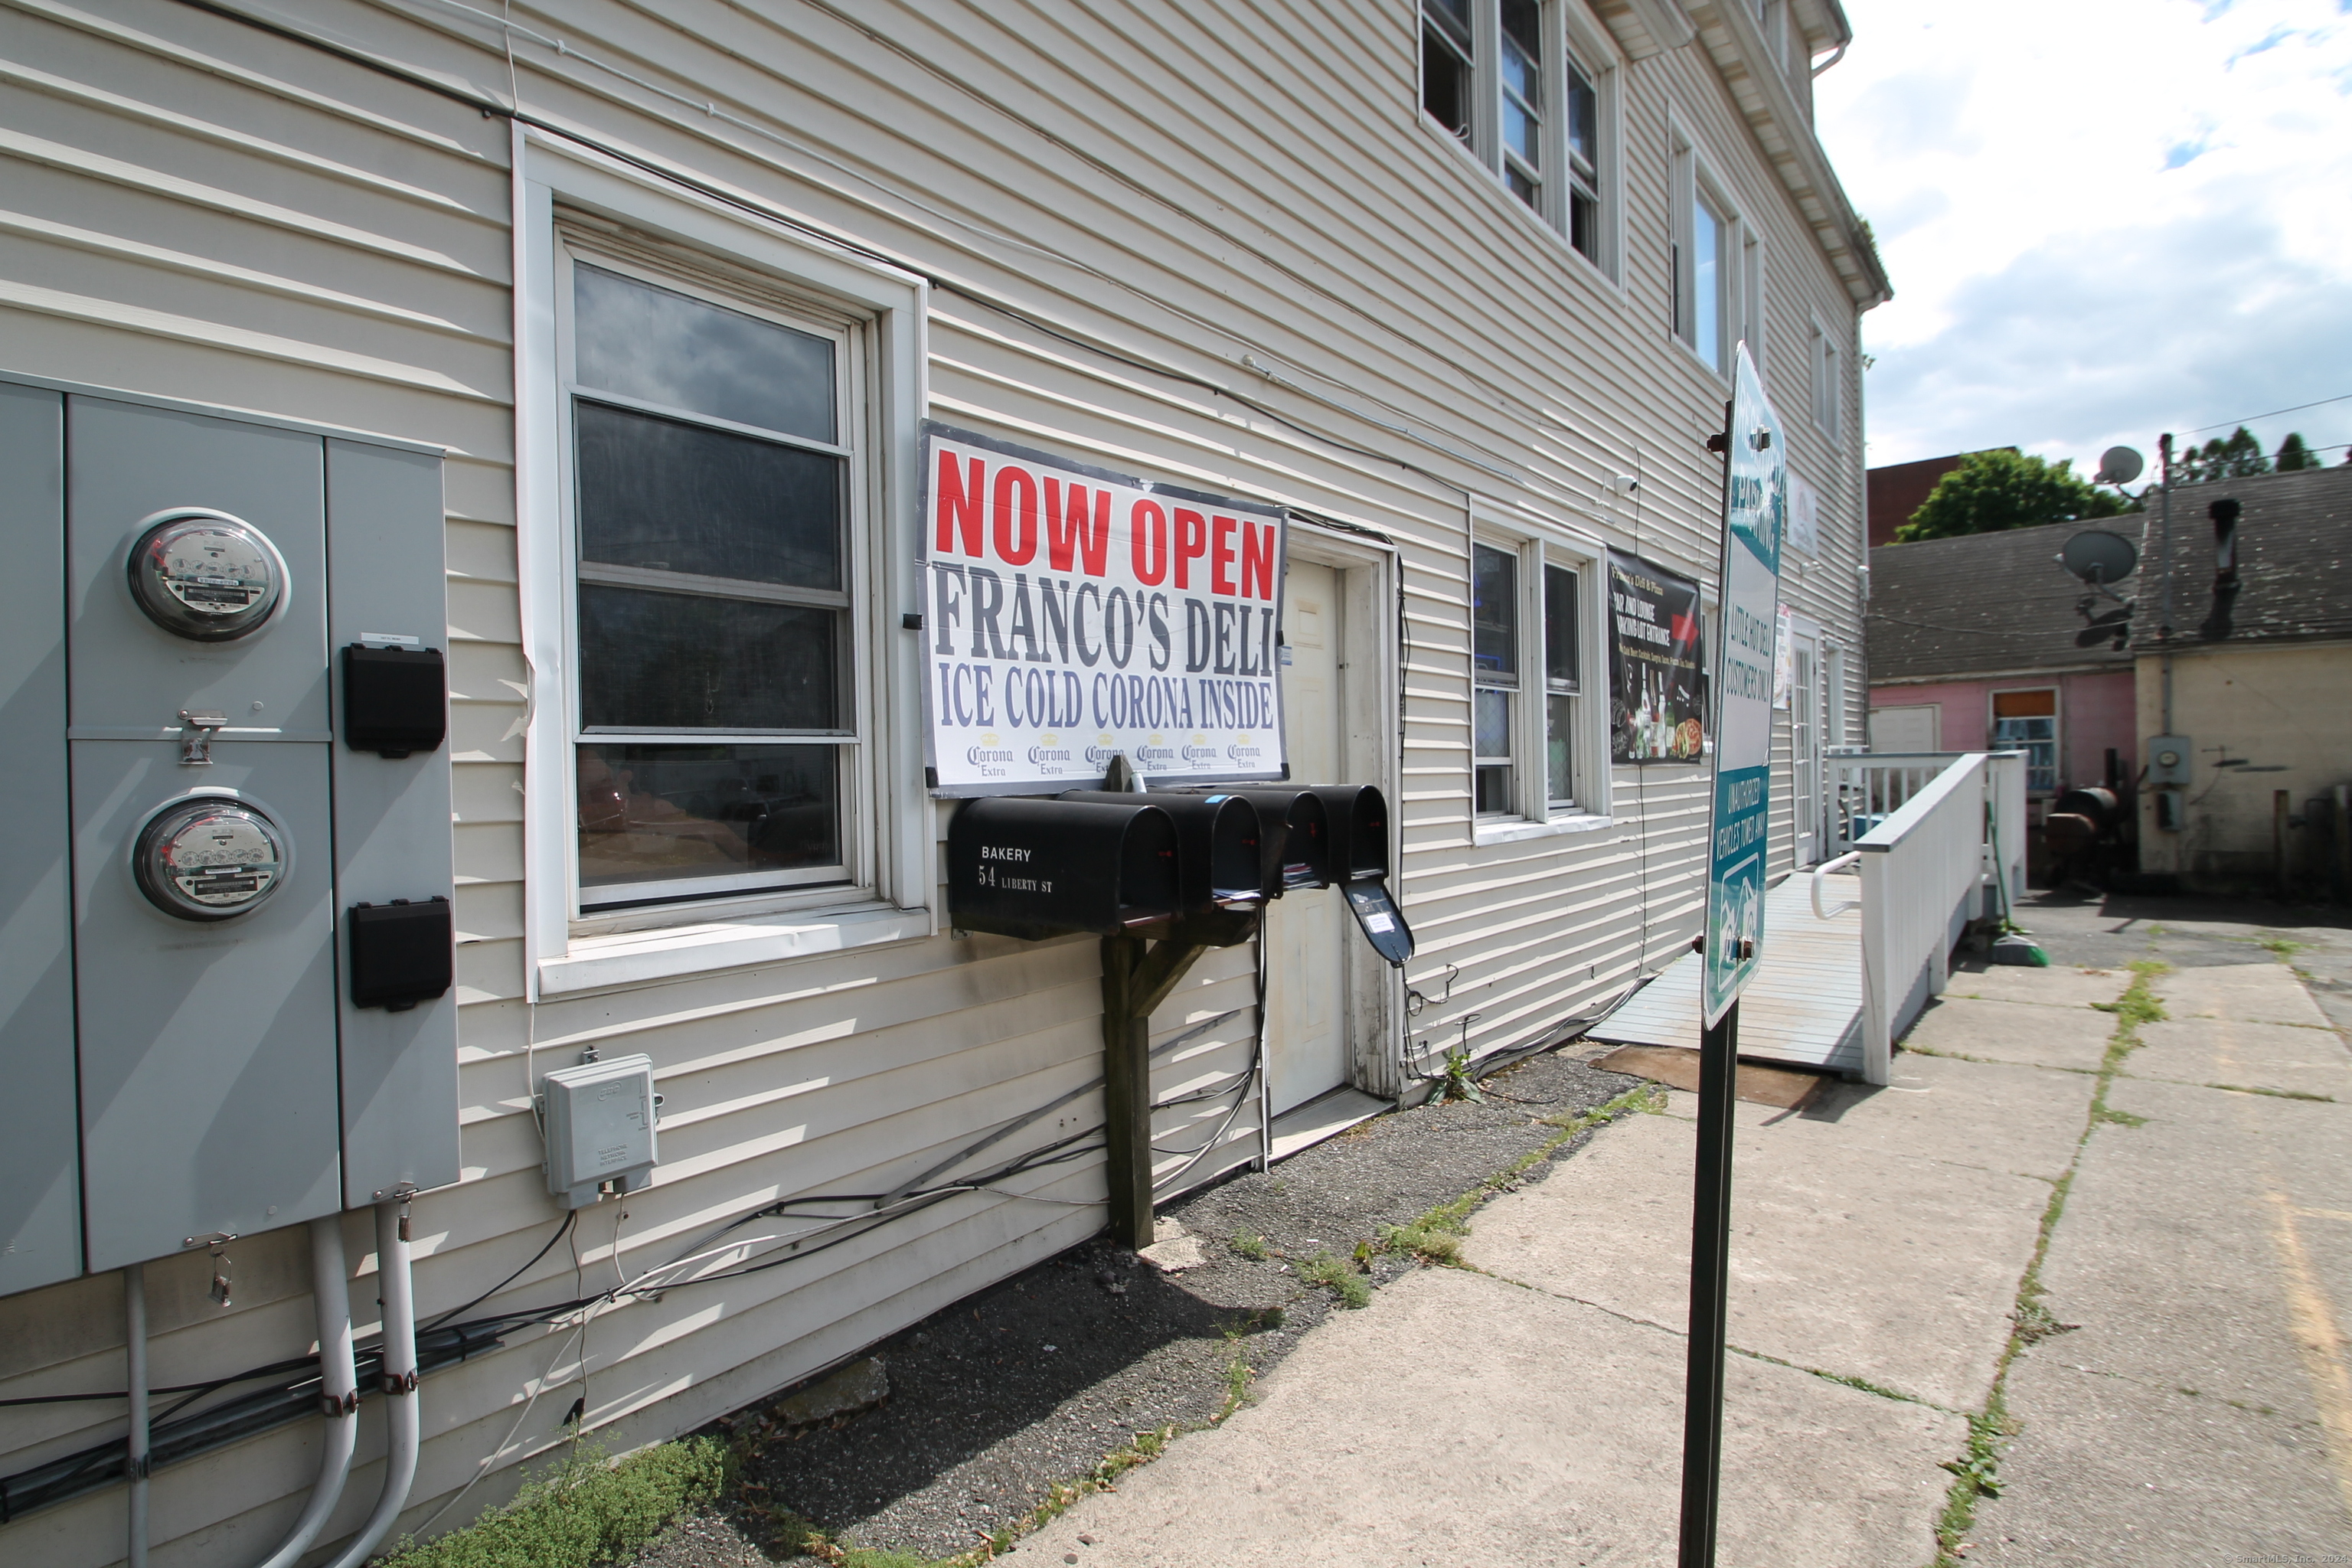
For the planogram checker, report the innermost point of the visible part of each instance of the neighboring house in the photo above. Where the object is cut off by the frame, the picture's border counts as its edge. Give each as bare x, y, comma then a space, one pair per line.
1973, 646
1898, 489
1458, 285
2255, 683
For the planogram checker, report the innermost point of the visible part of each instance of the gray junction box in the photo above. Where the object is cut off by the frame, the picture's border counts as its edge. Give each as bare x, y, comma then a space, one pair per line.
182, 1052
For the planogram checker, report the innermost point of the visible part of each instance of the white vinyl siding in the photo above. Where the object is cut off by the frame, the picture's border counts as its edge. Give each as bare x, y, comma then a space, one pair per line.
208, 211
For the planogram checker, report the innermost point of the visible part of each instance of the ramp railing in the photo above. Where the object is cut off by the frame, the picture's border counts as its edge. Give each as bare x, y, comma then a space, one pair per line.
1946, 850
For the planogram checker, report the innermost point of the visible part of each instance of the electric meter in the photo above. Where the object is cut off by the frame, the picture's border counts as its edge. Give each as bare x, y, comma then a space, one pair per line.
210, 857
206, 575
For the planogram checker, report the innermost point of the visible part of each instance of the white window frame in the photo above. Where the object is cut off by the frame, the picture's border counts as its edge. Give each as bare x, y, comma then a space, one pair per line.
2057, 741
1827, 372
1537, 544
887, 823
1567, 28
1739, 265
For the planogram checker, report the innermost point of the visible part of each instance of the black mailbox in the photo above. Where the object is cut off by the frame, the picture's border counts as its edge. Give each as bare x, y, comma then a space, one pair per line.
1217, 841
1035, 868
1293, 837
1359, 822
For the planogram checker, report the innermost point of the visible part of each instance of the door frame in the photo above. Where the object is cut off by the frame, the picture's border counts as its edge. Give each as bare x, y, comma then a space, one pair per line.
1806, 634
1368, 678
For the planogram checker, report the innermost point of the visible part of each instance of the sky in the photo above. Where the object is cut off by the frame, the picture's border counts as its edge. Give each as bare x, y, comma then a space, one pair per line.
2104, 219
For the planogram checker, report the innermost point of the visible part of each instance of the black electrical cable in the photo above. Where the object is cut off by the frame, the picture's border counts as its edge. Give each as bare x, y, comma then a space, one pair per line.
196, 1388
563, 1229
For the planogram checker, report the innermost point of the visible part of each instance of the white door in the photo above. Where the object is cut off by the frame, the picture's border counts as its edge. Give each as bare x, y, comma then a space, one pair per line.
1307, 953
1805, 750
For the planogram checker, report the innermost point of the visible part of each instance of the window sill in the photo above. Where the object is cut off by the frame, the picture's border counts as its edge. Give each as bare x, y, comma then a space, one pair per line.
1517, 831
635, 958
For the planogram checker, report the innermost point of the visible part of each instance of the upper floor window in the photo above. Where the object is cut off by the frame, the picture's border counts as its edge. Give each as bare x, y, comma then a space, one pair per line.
1500, 76
1828, 392
714, 484
1718, 273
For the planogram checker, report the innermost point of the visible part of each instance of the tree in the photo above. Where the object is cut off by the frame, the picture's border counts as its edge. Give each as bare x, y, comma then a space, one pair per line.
2239, 457
2293, 455
1991, 492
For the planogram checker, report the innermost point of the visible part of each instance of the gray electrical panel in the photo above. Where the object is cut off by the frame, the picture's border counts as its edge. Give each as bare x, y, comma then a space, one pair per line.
41, 1190
197, 1012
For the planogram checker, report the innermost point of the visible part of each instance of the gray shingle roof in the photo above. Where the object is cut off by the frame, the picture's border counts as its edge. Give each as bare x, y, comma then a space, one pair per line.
1944, 608
1982, 603
2295, 561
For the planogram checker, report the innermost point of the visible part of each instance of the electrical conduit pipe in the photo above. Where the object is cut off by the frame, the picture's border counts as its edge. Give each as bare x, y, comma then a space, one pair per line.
134, 1355
402, 1422
339, 1398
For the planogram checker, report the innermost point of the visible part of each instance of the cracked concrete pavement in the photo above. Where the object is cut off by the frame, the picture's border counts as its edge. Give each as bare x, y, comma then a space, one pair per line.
1528, 1408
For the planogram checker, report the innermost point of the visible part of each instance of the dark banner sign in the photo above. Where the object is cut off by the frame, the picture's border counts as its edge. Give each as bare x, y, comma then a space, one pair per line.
1656, 699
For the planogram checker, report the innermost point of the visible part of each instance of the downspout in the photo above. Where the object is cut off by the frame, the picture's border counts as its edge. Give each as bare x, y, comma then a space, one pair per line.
338, 1397
402, 1422
134, 1355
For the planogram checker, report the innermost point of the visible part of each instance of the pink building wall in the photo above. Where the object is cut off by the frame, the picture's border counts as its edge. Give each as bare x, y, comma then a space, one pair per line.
2095, 711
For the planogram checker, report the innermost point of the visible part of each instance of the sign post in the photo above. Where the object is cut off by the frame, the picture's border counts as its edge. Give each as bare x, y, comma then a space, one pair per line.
1754, 519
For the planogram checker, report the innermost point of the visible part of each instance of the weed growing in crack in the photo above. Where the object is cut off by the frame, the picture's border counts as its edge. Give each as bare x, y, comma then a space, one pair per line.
1976, 1474
1249, 1247
1338, 1276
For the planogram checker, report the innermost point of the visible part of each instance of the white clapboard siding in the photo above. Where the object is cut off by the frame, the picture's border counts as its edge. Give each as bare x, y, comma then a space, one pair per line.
1238, 196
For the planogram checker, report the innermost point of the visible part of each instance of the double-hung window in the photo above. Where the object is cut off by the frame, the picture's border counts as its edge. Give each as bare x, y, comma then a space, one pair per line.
1502, 77
714, 482
1495, 621
1717, 271
1529, 750
2027, 721
1828, 393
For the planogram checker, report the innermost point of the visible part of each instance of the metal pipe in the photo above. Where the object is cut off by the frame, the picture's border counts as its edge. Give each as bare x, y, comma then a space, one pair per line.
134, 1355
2164, 611
339, 1399
400, 1413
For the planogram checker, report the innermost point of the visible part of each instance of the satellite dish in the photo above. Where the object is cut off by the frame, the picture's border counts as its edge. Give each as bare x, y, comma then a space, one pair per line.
2118, 466
2098, 556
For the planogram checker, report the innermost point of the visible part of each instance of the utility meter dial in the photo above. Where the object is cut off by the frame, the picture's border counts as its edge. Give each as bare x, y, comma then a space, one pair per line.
209, 859
206, 575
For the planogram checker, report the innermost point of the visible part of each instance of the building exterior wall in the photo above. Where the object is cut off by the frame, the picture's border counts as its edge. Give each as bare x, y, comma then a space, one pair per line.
1231, 255
2279, 705
2096, 713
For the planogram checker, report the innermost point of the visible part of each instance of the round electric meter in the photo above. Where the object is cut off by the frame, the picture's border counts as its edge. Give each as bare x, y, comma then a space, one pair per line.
209, 859
206, 575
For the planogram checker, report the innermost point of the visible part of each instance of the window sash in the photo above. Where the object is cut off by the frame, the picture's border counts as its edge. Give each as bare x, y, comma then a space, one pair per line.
842, 744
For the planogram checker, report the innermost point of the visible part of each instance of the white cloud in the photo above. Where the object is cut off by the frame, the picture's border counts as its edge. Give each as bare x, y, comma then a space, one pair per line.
2103, 218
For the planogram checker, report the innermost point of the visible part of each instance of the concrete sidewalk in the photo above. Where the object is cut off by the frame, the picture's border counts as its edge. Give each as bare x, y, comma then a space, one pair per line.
1528, 1410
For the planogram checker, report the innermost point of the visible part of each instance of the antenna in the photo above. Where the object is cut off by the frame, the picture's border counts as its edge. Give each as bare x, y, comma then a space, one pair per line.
2120, 465
2099, 557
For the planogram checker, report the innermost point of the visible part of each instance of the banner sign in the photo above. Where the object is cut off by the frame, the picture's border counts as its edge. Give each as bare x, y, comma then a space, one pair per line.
1070, 614
1657, 701
1754, 519
1804, 518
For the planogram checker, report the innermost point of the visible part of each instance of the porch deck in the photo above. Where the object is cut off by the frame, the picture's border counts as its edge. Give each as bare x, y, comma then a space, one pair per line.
1804, 1005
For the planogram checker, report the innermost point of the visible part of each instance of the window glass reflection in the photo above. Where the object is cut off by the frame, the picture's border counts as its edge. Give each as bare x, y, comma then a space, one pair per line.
678, 661
672, 349
665, 496
665, 813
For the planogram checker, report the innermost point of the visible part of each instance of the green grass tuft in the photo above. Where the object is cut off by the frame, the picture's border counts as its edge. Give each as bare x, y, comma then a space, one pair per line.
581, 1512
1249, 1247
1338, 1276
